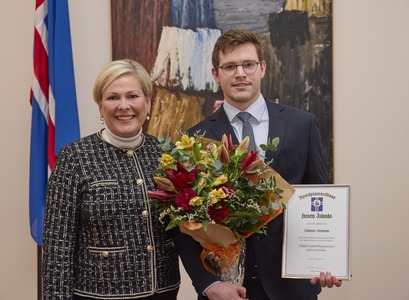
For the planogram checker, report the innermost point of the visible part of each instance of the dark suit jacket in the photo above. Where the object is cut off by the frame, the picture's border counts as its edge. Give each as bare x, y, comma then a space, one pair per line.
299, 160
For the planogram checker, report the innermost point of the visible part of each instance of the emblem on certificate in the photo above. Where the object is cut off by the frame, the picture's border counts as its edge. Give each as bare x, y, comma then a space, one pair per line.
316, 232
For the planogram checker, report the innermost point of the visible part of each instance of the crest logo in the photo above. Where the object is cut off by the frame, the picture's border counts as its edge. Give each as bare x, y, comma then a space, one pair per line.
317, 203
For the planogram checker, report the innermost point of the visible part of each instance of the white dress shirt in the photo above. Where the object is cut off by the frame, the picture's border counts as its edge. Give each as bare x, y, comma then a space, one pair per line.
259, 120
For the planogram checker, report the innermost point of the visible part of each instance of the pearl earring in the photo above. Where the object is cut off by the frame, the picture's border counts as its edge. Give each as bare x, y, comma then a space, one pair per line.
102, 120
148, 118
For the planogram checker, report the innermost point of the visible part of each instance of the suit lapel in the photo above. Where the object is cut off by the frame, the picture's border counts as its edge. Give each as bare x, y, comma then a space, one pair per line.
219, 124
277, 127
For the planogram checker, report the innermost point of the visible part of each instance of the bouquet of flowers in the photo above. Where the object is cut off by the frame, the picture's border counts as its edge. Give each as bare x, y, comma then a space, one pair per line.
219, 194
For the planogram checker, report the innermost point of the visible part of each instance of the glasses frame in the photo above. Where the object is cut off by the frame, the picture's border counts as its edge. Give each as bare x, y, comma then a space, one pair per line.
240, 65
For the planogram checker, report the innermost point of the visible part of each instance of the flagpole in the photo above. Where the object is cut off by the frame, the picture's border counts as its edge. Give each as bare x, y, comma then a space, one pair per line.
39, 267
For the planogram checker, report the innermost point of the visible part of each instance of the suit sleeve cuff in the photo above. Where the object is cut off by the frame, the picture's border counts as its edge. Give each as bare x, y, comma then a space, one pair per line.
204, 292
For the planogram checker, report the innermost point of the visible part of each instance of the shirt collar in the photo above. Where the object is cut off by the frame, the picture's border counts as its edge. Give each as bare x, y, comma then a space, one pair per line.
256, 109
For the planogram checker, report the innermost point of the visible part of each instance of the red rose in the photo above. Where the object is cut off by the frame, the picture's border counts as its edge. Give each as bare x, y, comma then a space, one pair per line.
184, 197
218, 212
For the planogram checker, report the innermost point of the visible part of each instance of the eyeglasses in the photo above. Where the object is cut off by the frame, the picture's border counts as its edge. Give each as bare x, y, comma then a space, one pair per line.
249, 68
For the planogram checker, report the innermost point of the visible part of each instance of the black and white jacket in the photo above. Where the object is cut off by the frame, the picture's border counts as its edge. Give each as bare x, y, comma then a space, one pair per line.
102, 238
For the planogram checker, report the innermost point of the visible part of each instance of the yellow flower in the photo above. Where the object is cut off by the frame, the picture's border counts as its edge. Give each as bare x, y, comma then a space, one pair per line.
220, 180
196, 201
166, 160
216, 195
215, 152
211, 147
202, 182
205, 159
185, 142
208, 161
242, 148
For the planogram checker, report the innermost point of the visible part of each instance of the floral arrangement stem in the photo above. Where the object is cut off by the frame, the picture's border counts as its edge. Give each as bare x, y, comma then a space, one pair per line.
225, 262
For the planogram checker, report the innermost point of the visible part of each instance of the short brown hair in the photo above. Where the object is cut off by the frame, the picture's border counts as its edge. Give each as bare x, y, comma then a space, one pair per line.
233, 38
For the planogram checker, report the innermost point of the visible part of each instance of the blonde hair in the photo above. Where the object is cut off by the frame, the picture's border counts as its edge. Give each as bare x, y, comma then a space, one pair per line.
117, 68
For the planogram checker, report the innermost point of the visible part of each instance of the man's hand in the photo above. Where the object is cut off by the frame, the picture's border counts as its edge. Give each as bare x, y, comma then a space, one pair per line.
226, 291
326, 280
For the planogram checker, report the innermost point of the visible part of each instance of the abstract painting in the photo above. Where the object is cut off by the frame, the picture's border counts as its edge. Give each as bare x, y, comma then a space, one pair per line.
174, 39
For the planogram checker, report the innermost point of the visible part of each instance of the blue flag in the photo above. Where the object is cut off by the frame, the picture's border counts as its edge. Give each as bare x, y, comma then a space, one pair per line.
53, 98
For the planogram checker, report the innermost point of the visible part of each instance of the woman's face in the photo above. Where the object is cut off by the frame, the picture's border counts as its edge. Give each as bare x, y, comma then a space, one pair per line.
124, 106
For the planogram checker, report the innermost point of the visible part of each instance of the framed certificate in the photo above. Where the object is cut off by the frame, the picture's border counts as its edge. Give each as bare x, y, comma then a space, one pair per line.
316, 232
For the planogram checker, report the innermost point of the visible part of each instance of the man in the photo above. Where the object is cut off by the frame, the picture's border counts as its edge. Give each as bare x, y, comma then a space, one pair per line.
238, 67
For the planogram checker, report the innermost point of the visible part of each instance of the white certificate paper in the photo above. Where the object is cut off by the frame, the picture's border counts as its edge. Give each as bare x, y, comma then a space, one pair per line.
316, 232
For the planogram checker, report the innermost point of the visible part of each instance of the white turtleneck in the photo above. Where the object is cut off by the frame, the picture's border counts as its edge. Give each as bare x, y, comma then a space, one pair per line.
122, 142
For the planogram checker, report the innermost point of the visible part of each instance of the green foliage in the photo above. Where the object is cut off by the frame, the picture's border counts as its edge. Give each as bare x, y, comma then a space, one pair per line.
226, 187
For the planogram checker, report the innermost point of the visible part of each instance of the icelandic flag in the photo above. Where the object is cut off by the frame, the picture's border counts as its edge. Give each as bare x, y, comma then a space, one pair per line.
317, 203
53, 99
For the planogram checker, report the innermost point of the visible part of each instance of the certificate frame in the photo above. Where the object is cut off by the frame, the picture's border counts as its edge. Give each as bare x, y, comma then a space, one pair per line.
317, 232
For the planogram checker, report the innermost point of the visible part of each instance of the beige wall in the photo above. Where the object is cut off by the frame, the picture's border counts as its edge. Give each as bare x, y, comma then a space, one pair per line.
371, 73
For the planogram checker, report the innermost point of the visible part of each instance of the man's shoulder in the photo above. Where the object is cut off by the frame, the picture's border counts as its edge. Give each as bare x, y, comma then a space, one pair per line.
204, 123
200, 128
209, 121
288, 110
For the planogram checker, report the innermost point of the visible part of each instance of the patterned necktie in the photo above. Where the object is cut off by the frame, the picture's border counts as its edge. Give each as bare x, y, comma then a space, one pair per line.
247, 129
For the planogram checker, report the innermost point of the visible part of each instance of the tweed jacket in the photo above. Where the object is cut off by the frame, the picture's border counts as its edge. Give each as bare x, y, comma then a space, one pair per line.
299, 160
102, 237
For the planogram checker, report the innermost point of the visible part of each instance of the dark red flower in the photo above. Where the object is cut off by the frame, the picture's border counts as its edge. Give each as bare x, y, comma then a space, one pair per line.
224, 155
250, 161
218, 212
182, 178
227, 189
161, 195
184, 197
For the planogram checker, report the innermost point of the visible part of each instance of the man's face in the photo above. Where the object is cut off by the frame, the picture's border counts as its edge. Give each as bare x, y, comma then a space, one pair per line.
240, 90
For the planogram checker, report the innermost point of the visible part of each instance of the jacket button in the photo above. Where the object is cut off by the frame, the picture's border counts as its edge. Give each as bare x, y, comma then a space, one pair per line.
145, 214
139, 181
104, 253
129, 153
149, 249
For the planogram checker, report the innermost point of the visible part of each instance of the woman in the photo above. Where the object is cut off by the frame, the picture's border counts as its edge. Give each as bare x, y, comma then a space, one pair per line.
102, 238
